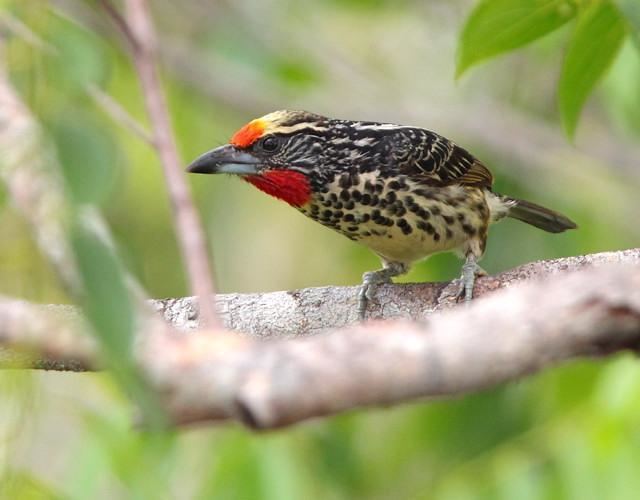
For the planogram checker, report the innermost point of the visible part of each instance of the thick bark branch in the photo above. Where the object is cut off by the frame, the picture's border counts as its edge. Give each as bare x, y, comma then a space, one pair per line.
497, 339
594, 310
44, 337
315, 310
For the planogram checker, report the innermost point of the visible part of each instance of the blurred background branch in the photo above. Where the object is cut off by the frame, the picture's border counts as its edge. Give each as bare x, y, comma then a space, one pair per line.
35, 190
119, 114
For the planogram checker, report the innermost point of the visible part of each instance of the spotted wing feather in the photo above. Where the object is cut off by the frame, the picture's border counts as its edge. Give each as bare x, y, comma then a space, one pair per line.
434, 160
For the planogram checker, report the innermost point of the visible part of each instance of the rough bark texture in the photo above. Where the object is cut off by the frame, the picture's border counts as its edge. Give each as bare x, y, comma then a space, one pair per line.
500, 338
314, 310
592, 310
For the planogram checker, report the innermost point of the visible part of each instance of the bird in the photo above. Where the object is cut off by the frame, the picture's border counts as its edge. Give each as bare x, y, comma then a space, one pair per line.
404, 192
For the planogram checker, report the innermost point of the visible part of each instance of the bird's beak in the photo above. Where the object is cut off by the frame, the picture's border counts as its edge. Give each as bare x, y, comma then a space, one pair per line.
225, 160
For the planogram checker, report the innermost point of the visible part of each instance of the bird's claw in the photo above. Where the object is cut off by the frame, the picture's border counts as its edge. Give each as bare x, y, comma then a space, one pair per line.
364, 296
367, 292
370, 281
470, 271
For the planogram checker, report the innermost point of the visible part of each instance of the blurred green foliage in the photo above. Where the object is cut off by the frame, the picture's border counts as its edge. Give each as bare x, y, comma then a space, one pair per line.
567, 433
597, 37
498, 26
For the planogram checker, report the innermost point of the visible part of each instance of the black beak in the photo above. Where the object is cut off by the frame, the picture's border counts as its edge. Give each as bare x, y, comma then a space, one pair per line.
225, 160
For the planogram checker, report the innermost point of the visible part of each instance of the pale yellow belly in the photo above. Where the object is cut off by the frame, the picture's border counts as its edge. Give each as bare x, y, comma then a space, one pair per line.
393, 245
407, 224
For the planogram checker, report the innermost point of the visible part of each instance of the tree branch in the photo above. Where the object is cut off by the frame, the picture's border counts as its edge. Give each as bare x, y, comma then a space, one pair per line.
35, 189
137, 28
44, 337
592, 310
118, 114
311, 311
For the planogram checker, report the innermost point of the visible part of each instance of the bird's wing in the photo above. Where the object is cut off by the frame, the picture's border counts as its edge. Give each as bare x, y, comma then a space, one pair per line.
434, 160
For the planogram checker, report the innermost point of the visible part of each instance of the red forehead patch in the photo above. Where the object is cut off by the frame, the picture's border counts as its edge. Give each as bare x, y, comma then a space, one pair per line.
248, 134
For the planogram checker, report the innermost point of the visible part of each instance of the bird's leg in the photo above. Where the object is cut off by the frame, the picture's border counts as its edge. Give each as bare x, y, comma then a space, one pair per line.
371, 279
470, 270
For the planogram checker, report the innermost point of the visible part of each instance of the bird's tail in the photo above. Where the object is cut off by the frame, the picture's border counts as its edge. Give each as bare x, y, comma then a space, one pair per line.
543, 218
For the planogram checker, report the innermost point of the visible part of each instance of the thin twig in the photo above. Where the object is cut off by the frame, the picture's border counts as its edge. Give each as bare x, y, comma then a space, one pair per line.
119, 114
121, 23
138, 28
21, 30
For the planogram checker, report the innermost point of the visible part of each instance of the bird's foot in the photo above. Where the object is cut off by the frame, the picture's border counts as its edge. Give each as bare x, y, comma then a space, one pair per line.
470, 271
371, 280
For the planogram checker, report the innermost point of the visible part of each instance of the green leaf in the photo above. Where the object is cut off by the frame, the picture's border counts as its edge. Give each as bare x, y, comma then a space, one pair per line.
622, 85
595, 42
87, 155
142, 462
80, 56
107, 304
108, 307
497, 26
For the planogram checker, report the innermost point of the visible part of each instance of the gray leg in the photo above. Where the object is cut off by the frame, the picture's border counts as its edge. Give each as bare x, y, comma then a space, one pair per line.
373, 278
470, 270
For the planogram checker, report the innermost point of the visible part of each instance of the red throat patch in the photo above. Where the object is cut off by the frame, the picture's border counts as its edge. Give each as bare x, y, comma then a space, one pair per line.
248, 134
287, 185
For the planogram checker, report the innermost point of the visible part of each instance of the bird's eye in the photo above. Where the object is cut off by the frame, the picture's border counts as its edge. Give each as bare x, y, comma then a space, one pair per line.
270, 144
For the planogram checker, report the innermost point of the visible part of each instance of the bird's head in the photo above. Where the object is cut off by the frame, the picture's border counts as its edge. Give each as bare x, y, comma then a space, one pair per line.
278, 153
